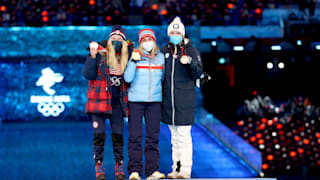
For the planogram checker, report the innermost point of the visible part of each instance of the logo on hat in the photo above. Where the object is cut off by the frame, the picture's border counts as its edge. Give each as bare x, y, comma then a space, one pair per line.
175, 26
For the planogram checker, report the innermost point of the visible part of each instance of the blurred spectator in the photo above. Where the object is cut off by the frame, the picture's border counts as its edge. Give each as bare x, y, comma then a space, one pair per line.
286, 132
154, 12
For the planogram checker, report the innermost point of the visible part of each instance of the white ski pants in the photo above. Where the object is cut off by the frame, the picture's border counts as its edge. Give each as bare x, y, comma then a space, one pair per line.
181, 141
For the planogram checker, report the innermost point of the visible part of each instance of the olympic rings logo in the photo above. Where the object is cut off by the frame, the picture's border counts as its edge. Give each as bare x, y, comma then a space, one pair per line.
115, 81
50, 108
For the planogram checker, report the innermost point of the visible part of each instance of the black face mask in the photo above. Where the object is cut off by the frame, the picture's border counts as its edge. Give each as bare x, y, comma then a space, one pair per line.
117, 45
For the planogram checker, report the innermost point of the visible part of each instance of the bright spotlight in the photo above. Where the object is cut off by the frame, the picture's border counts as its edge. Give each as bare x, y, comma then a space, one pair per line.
299, 42
269, 65
238, 48
276, 48
222, 60
213, 43
281, 65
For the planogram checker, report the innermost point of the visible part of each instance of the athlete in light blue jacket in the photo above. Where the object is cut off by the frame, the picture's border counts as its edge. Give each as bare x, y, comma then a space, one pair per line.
144, 73
145, 77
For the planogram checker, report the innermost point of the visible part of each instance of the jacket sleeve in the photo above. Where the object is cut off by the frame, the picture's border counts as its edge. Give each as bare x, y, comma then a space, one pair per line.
130, 50
90, 68
163, 70
196, 63
130, 71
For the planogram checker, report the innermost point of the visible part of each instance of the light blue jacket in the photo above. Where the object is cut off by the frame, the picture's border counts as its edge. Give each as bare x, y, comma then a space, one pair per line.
145, 78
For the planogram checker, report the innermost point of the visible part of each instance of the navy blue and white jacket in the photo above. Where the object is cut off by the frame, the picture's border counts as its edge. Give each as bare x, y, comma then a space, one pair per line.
179, 94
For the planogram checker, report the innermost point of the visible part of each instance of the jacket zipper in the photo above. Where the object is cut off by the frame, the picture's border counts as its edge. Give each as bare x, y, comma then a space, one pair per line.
172, 85
150, 73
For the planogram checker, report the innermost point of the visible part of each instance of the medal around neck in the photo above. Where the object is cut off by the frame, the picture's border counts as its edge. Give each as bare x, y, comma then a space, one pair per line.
185, 59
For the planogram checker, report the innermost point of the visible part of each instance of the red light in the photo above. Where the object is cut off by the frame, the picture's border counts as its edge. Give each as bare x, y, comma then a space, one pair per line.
108, 18
275, 119
318, 162
45, 19
270, 157
265, 166
297, 138
262, 126
279, 126
258, 11
318, 141
164, 12
92, 2
240, 123
230, 5
44, 13
258, 135
260, 141
300, 150
281, 133
252, 139
3, 8
254, 92
318, 135
154, 7
293, 153
306, 141
270, 122
264, 120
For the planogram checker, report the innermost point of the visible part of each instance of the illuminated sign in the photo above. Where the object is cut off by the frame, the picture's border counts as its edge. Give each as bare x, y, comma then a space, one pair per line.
52, 105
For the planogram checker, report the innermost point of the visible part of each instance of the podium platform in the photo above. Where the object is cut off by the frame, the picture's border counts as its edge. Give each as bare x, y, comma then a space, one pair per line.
63, 150
233, 179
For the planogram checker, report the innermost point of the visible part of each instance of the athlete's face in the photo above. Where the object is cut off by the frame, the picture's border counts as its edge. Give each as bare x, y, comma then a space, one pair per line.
116, 38
175, 33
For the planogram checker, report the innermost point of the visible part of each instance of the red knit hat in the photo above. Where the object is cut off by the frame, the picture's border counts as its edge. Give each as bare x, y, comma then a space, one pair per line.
146, 33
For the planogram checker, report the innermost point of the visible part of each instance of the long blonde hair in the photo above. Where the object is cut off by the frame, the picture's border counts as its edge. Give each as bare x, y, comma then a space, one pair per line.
153, 51
113, 59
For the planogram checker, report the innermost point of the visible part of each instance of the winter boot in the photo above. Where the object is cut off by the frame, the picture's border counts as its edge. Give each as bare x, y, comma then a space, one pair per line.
100, 175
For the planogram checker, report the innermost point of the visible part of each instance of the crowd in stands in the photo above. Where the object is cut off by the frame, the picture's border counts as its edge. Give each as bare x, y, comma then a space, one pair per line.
286, 133
149, 12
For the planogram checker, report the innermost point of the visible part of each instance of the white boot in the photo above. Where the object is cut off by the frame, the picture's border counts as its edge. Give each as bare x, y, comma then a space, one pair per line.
156, 175
134, 175
173, 175
183, 175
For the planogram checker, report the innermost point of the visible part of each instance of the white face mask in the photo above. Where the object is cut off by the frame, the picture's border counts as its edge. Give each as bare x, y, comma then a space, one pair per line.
148, 46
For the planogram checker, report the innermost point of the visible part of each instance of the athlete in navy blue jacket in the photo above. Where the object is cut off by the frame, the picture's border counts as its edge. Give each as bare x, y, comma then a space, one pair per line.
182, 67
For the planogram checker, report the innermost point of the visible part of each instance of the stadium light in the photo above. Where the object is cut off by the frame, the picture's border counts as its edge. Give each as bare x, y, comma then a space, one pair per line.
238, 48
213, 43
275, 47
281, 65
222, 60
269, 65
299, 42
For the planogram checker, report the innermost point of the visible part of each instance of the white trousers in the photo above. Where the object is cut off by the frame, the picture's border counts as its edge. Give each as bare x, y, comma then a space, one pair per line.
181, 141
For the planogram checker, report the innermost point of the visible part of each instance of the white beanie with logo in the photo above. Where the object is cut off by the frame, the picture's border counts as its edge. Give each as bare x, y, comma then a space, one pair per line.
176, 25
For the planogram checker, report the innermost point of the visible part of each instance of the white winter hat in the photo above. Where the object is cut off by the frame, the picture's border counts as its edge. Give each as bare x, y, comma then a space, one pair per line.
176, 25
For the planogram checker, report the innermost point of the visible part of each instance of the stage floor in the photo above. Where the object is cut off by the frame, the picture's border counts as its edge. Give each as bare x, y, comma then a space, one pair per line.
63, 150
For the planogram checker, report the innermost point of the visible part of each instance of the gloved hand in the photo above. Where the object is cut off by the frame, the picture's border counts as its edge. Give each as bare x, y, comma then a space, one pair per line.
205, 78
